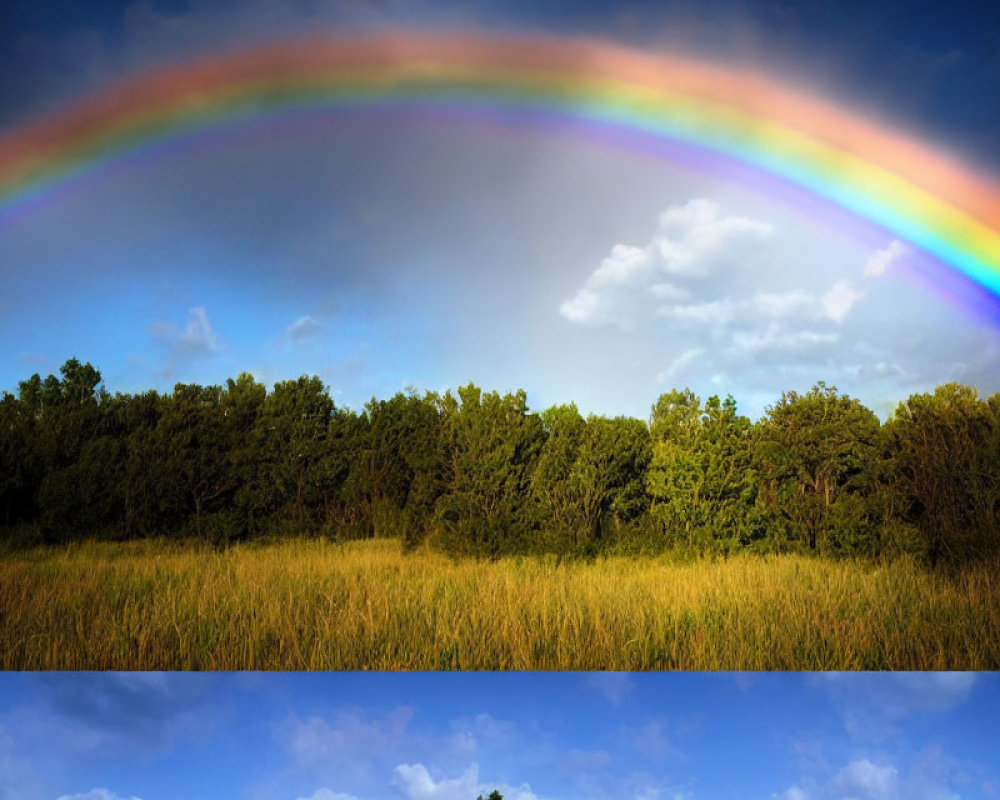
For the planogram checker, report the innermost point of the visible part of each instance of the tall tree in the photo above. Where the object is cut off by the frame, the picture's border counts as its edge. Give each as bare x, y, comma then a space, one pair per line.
608, 474
556, 496
700, 476
194, 476
945, 452
816, 457
493, 442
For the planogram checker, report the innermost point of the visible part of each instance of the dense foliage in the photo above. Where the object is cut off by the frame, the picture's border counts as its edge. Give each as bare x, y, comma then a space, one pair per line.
482, 474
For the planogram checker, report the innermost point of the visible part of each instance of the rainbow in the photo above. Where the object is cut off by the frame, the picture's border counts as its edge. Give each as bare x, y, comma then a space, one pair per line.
895, 181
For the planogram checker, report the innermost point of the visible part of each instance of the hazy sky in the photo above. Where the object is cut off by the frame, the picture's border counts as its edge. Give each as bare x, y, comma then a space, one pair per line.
535, 736
381, 252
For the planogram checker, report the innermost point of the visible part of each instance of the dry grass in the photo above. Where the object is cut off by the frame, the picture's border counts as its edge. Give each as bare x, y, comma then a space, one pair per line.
365, 605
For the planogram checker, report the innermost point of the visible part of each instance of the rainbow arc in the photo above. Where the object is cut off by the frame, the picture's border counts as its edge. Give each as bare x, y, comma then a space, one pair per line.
900, 183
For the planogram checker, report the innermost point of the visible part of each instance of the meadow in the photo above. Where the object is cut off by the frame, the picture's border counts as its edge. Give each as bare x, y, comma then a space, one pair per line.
313, 604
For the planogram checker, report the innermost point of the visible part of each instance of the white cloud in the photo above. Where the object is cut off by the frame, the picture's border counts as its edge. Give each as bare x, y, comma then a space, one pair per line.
328, 794
784, 304
197, 337
775, 338
414, 782
795, 304
928, 774
746, 291
714, 312
879, 261
522, 792
97, 794
692, 236
713, 287
620, 290
867, 781
838, 302
632, 283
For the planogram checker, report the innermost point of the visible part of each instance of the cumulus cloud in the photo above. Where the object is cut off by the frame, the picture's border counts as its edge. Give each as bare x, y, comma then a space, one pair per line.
724, 294
522, 792
882, 259
97, 794
328, 794
708, 278
867, 781
414, 782
693, 236
927, 775
196, 337
633, 283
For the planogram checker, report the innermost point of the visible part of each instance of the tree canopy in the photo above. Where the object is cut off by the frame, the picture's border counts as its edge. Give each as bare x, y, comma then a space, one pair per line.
480, 473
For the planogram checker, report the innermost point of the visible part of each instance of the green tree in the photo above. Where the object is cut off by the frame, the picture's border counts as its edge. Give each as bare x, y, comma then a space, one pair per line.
137, 418
557, 498
945, 454
816, 462
700, 477
74, 479
492, 443
19, 473
280, 440
193, 476
401, 465
608, 474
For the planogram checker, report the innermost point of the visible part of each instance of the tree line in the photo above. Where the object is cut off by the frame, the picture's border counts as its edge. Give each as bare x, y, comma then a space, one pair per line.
479, 473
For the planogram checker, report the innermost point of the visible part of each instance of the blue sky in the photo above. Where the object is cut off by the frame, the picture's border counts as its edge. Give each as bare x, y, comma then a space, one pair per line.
535, 736
381, 253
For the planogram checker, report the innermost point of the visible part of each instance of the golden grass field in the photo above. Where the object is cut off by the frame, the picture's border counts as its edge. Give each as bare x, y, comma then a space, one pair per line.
312, 604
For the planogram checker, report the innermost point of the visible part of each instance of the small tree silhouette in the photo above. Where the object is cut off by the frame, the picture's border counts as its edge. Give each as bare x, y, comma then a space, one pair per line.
494, 795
